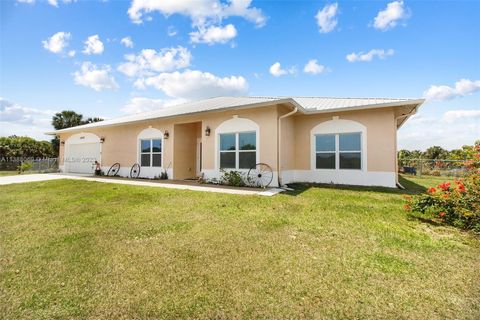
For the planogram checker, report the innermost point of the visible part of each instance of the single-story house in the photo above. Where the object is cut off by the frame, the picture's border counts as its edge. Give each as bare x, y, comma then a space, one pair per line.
303, 139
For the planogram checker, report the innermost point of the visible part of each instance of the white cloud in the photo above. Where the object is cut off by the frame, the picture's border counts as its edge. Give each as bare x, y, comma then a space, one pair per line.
97, 78
202, 13
327, 18
71, 53
463, 87
214, 34
50, 2
141, 104
12, 112
454, 115
277, 71
450, 130
93, 45
368, 56
58, 42
127, 42
171, 31
194, 84
20, 120
149, 61
391, 15
313, 67
55, 2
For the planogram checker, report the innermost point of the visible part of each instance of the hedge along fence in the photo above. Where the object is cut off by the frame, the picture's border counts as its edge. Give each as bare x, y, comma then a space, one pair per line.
434, 167
29, 164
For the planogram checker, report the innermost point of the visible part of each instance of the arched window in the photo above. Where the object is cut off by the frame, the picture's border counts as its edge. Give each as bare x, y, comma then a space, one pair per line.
150, 148
237, 144
339, 144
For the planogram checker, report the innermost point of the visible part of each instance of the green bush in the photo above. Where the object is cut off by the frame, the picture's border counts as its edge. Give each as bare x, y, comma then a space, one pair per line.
232, 178
457, 204
25, 166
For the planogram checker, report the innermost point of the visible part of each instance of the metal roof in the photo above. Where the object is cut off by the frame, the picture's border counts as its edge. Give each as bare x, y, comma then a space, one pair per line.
305, 105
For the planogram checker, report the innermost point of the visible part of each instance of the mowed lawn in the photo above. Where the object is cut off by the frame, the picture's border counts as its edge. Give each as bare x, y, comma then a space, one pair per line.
78, 249
8, 173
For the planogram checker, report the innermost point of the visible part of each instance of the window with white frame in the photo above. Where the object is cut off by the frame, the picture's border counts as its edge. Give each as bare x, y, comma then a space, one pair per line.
338, 151
238, 150
151, 152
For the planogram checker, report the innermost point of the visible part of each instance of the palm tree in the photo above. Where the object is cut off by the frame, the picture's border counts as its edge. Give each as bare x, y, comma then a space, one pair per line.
66, 119
91, 120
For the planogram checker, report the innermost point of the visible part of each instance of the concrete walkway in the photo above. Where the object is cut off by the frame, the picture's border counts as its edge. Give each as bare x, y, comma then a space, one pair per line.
5, 180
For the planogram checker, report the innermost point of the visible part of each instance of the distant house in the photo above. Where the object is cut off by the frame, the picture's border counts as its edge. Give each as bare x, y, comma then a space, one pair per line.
303, 139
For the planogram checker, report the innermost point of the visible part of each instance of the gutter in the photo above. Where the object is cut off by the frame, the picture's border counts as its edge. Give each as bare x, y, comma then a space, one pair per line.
279, 144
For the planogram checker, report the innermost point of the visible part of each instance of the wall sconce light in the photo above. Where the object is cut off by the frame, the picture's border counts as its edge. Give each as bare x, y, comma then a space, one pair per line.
166, 134
102, 139
62, 142
207, 131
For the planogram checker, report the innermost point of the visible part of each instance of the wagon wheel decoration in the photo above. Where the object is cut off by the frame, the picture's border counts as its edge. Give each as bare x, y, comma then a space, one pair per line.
135, 171
113, 171
260, 175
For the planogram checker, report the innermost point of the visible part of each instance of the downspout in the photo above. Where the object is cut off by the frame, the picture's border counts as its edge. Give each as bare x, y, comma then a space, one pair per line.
279, 144
405, 116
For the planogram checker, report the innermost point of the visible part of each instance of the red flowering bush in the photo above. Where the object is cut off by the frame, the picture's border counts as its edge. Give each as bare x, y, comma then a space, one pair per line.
456, 203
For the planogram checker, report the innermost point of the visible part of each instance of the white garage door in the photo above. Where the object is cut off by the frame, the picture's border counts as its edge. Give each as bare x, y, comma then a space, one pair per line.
80, 158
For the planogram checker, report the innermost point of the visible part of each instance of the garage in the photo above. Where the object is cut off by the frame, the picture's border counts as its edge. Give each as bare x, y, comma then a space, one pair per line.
81, 152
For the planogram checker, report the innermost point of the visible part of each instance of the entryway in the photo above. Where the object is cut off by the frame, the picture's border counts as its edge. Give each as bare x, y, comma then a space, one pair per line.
187, 150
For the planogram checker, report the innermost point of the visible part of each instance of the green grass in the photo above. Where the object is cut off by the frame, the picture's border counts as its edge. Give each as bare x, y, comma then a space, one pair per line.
8, 173
78, 249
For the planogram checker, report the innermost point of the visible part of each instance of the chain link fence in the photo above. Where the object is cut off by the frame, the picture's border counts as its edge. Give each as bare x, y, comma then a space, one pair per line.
432, 167
29, 164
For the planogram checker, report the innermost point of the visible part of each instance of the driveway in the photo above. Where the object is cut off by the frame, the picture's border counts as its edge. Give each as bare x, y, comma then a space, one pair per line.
55, 176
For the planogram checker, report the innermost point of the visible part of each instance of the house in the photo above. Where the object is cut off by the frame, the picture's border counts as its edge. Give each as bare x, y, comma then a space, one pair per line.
303, 139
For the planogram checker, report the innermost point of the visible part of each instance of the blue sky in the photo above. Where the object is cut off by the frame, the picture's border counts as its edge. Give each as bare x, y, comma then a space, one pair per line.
57, 55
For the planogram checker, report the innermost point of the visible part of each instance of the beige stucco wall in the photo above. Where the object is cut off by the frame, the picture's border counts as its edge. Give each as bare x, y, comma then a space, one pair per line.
121, 141
381, 135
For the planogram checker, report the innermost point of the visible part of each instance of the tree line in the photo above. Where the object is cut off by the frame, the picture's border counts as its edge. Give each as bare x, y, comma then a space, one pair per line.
466, 152
26, 147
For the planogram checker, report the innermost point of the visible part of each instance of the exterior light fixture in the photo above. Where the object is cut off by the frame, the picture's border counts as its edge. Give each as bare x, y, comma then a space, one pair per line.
62, 142
207, 131
166, 134
102, 139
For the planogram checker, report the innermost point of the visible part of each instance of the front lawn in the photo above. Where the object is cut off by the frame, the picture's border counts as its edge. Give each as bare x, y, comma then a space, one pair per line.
8, 173
78, 249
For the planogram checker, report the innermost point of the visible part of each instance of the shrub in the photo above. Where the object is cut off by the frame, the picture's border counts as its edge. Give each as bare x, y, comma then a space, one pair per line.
456, 203
232, 178
25, 166
164, 175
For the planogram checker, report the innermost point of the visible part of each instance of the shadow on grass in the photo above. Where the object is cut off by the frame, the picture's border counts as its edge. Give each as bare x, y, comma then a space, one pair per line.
410, 188
428, 221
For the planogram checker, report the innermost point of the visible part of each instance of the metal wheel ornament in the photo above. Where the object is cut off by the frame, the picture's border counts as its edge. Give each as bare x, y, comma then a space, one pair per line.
135, 171
260, 175
113, 171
